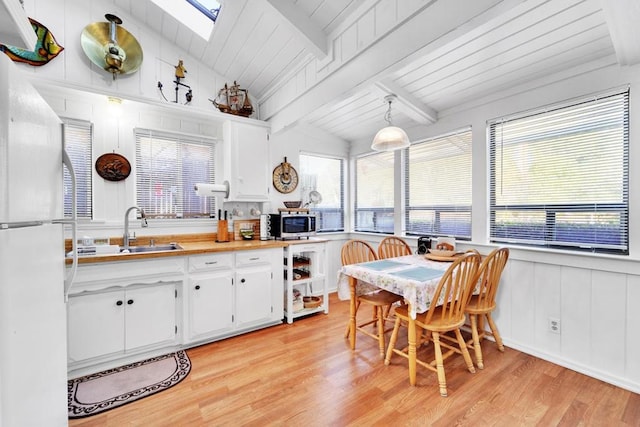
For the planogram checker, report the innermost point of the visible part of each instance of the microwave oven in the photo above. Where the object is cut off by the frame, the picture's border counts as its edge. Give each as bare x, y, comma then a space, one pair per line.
292, 225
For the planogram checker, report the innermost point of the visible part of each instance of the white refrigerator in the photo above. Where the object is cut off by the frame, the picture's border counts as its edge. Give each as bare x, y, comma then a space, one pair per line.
33, 331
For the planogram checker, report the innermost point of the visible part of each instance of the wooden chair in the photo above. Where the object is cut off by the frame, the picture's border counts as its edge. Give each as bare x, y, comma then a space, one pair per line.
483, 302
393, 246
357, 251
455, 289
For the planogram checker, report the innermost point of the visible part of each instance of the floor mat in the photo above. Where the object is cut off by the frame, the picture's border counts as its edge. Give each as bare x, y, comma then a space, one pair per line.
96, 393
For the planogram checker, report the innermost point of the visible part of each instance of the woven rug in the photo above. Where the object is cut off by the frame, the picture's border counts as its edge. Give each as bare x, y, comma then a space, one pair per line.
96, 393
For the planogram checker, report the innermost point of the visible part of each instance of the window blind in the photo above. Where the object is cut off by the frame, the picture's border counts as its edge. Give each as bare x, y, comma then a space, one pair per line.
560, 177
326, 176
167, 168
438, 186
78, 136
374, 193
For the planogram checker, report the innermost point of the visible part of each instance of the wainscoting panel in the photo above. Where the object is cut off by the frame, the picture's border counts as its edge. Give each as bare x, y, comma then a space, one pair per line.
632, 333
608, 313
576, 320
598, 314
548, 305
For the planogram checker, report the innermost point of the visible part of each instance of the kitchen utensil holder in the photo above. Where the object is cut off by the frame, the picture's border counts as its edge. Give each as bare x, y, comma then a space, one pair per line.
223, 231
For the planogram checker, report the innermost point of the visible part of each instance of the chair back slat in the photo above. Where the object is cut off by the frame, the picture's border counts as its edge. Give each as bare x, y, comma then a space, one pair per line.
489, 275
454, 290
356, 251
392, 246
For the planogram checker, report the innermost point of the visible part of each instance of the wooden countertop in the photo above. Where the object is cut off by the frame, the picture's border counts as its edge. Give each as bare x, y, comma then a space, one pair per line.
190, 246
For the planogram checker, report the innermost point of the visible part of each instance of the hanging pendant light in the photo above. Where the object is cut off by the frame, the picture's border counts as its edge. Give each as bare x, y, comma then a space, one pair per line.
391, 137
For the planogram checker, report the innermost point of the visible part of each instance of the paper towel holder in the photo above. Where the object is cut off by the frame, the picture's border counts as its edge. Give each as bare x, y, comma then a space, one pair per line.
212, 190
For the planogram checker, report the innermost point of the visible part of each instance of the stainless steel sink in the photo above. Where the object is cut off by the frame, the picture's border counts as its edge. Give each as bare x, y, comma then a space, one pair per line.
155, 248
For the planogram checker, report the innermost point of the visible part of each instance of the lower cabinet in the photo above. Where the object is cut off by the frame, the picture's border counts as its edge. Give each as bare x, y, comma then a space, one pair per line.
210, 295
119, 321
121, 312
231, 293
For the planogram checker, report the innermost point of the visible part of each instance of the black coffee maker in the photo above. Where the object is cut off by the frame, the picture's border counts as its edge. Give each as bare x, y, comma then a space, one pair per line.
424, 244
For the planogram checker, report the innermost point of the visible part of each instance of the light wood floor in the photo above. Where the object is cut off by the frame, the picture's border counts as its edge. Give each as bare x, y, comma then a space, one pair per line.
305, 375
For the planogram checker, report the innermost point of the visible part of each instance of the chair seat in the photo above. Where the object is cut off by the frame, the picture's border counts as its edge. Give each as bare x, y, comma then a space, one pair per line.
474, 306
380, 298
437, 324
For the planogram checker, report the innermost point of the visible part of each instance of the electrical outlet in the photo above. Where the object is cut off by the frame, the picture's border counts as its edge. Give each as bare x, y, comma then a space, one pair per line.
554, 325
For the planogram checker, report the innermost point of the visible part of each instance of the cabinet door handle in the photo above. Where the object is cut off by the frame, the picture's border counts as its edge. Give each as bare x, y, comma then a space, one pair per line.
119, 302
130, 302
211, 262
197, 287
242, 280
254, 258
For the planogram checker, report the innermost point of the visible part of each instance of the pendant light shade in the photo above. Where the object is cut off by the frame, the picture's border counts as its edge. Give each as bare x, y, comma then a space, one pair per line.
391, 137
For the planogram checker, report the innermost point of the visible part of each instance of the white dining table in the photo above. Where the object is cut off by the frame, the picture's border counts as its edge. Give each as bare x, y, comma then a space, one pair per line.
413, 276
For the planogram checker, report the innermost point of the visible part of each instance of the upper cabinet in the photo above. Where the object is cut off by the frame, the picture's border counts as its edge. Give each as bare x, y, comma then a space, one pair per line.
246, 161
15, 28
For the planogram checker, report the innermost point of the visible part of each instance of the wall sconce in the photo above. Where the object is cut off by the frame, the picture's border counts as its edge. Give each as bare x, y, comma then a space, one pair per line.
391, 137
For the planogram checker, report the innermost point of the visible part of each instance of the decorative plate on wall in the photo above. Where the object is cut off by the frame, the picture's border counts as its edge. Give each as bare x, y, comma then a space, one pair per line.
113, 167
285, 177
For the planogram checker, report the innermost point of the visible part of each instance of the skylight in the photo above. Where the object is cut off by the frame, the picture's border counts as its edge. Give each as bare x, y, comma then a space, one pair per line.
210, 8
198, 15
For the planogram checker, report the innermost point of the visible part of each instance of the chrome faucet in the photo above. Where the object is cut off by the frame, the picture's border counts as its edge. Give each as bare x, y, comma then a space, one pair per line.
125, 237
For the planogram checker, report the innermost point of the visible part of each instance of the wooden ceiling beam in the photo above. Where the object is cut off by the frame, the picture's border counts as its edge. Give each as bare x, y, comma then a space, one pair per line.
622, 18
408, 104
314, 39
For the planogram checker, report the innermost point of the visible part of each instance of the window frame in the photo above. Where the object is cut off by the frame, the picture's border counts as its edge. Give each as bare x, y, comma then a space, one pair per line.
87, 177
320, 212
439, 210
378, 214
178, 138
553, 210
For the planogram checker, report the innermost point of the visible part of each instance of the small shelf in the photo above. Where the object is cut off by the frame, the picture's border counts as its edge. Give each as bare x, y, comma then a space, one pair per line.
304, 275
298, 274
305, 311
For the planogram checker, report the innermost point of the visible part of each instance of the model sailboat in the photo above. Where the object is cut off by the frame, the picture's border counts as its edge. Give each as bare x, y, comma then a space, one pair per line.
233, 100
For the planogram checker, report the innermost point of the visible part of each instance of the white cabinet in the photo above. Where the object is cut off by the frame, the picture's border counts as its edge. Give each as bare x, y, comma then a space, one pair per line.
233, 292
123, 311
95, 325
304, 274
114, 322
246, 161
254, 289
210, 294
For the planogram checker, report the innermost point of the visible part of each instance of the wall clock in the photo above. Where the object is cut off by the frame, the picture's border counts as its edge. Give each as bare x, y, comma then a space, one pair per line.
285, 177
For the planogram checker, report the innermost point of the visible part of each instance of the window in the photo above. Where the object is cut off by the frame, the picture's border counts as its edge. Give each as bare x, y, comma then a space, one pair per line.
438, 186
326, 176
78, 137
374, 202
210, 8
197, 15
167, 168
560, 177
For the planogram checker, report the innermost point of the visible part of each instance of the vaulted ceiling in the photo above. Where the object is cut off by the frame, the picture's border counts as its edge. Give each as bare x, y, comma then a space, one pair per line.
327, 64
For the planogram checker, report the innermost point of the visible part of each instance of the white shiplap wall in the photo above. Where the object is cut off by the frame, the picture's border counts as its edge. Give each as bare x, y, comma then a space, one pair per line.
66, 20
597, 313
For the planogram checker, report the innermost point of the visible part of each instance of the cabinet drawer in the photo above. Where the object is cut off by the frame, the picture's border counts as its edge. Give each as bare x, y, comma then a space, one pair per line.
210, 262
306, 247
253, 257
